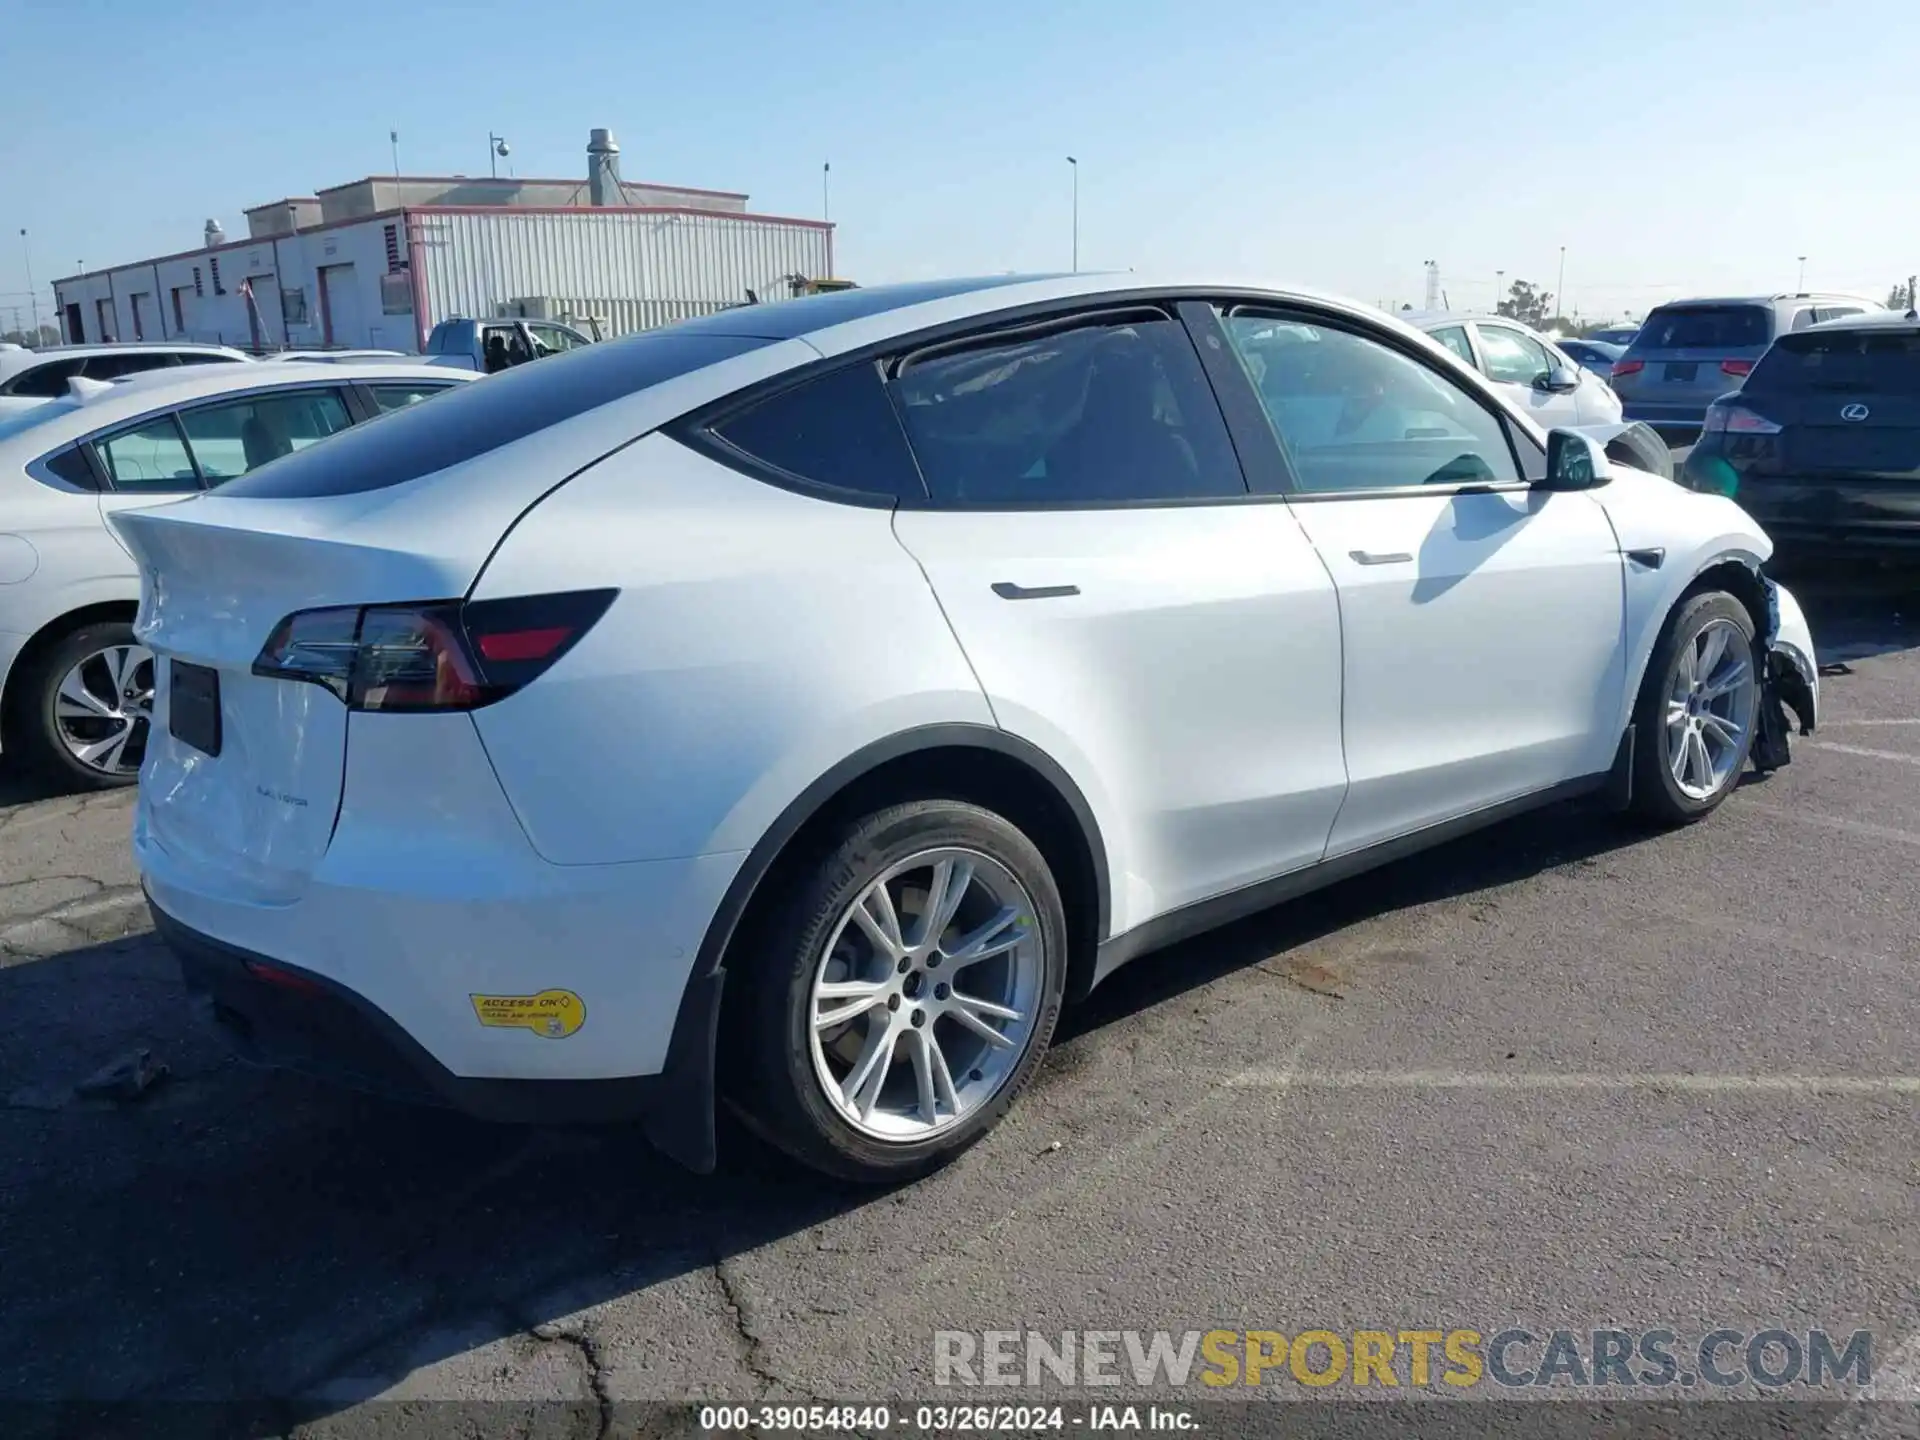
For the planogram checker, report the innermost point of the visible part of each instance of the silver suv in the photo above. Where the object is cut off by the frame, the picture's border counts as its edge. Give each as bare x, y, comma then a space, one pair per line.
1691, 352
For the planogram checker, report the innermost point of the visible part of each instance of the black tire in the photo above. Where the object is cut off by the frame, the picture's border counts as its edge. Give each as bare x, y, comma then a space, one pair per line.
32, 735
1657, 797
770, 1079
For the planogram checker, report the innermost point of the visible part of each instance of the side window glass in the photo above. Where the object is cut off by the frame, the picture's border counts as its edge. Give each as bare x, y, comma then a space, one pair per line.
1355, 414
46, 382
113, 367
1103, 411
1454, 337
398, 397
1511, 357
152, 457
229, 440
551, 339
838, 429
71, 466
1801, 319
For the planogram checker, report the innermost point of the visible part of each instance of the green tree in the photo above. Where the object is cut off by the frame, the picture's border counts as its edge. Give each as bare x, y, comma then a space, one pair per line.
1900, 297
1526, 304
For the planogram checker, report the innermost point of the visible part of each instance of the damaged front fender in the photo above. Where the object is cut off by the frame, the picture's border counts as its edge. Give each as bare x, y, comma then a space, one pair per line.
1789, 677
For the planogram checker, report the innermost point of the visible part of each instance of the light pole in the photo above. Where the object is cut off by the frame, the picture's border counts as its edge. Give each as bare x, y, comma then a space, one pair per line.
1499, 288
1560, 287
26, 250
393, 139
1076, 213
497, 149
1802, 285
826, 198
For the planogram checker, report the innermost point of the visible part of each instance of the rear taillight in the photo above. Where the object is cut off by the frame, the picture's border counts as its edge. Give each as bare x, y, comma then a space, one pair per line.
1628, 367
1736, 420
1736, 367
444, 655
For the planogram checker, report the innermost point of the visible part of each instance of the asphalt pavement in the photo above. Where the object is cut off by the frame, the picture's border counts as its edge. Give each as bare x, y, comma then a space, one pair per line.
1559, 1075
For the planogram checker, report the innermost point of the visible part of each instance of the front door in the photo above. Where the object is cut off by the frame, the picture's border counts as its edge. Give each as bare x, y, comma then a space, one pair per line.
1125, 603
1482, 620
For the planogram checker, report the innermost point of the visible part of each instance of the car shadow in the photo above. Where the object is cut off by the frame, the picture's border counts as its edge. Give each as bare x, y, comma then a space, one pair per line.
236, 1233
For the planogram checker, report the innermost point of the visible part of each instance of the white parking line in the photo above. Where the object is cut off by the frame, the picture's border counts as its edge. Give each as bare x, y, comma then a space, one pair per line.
1833, 822
1862, 750
1261, 1079
1846, 724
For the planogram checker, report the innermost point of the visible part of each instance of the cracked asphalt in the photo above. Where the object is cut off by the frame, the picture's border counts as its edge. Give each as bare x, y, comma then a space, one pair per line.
1440, 1095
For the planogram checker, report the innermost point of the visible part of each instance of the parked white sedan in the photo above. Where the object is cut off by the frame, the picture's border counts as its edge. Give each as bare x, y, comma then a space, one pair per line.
897, 664
74, 687
1534, 373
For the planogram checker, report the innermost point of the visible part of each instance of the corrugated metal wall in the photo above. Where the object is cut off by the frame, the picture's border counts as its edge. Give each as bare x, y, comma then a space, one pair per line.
634, 271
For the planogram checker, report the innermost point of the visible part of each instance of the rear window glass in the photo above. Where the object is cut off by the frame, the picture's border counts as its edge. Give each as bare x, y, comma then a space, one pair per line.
1705, 327
838, 429
1848, 360
474, 419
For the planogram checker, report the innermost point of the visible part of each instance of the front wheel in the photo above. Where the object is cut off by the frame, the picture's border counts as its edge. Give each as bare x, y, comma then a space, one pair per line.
1697, 712
904, 993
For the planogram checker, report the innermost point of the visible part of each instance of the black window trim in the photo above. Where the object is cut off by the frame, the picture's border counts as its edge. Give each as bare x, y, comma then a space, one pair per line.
1298, 313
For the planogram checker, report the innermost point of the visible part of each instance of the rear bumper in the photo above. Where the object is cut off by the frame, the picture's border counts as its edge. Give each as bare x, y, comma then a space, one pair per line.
281, 1015
1666, 417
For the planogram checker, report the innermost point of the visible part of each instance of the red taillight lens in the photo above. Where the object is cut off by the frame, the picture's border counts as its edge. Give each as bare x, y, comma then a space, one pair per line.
1736, 367
1737, 420
1628, 367
447, 655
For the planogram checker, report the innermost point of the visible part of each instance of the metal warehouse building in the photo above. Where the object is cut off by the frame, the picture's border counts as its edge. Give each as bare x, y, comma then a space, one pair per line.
377, 263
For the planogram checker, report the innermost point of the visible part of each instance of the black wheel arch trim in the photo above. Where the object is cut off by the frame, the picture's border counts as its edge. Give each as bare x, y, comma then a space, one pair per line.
687, 1133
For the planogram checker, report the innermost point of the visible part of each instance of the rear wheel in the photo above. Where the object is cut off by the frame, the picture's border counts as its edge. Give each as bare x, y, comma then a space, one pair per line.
1698, 711
904, 993
80, 711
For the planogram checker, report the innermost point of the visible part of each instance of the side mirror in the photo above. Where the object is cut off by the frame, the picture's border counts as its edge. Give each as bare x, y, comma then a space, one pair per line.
1558, 380
1574, 462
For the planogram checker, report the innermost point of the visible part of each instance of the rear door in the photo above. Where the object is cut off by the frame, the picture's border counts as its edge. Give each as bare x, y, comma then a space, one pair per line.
1482, 620
1125, 603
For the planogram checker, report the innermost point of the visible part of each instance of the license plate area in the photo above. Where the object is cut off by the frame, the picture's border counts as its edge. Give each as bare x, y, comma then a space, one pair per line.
193, 706
1682, 369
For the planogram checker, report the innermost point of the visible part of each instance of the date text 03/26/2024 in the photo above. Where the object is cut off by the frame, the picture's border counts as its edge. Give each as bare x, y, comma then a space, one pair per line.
943, 1419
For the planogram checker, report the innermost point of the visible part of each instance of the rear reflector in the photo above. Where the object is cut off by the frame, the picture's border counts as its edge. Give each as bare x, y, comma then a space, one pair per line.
1736, 367
285, 979
1628, 367
444, 655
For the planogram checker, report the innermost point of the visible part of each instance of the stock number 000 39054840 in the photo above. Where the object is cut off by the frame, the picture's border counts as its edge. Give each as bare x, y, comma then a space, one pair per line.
992, 1419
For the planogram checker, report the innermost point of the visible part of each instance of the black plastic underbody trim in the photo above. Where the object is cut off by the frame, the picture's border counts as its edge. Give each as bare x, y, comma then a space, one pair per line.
1210, 914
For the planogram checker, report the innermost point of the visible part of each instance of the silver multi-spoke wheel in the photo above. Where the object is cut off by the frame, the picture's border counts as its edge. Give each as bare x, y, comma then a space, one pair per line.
926, 994
1710, 709
102, 708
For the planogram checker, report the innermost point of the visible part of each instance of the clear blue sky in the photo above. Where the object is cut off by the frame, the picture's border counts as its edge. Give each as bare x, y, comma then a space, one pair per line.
1672, 146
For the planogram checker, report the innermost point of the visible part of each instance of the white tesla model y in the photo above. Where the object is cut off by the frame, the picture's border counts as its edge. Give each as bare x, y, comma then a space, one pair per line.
795, 707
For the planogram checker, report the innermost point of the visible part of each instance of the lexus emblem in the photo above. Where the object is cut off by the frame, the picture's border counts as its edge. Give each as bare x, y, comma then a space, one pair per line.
1854, 412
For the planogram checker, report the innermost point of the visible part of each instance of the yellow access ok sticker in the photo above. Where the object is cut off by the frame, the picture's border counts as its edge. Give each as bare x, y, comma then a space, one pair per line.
552, 1014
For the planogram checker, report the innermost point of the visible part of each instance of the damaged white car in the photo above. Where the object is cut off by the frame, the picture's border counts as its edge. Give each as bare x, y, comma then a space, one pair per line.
797, 706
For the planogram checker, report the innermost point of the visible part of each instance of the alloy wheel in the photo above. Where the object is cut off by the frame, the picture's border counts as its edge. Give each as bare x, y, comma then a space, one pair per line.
1710, 709
103, 708
927, 994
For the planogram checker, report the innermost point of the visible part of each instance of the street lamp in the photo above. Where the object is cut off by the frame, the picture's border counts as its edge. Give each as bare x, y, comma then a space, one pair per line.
1803, 274
26, 250
826, 205
1076, 213
497, 149
1560, 286
1499, 288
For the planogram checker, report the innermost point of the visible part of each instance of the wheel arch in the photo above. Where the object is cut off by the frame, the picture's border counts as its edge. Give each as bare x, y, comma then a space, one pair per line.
49, 634
1733, 570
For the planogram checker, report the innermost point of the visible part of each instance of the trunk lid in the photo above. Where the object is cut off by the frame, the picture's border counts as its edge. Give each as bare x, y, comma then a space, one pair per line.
1681, 349
1847, 403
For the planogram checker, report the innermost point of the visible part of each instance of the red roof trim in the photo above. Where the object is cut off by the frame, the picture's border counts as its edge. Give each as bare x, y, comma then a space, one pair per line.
579, 180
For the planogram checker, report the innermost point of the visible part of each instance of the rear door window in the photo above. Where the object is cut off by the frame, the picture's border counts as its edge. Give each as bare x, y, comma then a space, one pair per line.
149, 457
837, 430
231, 439
1705, 327
1095, 410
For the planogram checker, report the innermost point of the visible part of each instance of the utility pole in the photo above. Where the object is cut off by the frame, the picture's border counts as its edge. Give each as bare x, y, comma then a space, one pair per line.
1076, 213
26, 250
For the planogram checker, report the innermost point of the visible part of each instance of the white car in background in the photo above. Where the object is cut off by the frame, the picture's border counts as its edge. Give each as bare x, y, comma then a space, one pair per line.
74, 686
28, 377
1535, 374
899, 662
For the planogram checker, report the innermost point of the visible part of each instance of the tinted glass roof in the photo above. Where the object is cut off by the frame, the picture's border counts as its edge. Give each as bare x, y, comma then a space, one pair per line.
786, 319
